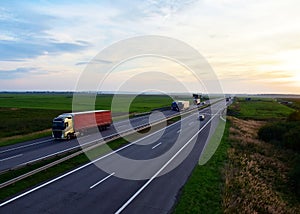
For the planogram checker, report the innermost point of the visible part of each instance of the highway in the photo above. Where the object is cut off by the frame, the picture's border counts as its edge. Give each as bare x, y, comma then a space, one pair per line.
27, 152
142, 177
23, 153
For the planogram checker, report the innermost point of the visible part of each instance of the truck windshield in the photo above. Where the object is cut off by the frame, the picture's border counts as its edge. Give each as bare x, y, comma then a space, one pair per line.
58, 125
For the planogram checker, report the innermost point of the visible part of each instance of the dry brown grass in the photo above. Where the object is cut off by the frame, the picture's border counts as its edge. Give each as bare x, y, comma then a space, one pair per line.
256, 173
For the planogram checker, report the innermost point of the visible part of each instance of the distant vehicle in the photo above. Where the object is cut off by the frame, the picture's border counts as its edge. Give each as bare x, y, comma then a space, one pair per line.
197, 102
201, 117
70, 125
180, 105
227, 99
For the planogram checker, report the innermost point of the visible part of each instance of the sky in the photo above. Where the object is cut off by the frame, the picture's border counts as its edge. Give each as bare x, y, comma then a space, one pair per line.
252, 46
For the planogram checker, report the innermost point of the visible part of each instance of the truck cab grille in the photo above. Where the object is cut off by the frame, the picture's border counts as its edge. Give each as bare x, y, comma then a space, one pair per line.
57, 134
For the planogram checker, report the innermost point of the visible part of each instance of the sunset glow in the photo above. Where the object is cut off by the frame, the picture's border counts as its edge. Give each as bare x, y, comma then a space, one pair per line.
253, 46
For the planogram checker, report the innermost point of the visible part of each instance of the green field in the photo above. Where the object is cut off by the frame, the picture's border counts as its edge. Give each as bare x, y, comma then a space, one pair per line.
37, 101
63, 101
20, 121
259, 109
25, 113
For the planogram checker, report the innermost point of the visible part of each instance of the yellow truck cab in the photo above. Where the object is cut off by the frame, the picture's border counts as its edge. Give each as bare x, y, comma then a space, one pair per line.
70, 125
62, 127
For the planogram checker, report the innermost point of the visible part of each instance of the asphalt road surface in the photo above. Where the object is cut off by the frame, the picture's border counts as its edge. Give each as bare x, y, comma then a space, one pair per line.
142, 177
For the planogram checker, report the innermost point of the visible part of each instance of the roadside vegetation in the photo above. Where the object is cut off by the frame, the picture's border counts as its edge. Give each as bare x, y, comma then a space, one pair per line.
285, 135
261, 174
256, 168
257, 173
27, 116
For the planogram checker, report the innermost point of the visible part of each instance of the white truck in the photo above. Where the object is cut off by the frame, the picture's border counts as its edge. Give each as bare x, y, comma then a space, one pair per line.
180, 105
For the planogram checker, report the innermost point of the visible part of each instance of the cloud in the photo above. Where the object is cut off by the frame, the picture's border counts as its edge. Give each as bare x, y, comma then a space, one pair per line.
165, 8
16, 51
244, 41
19, 73
95, 61
24, 35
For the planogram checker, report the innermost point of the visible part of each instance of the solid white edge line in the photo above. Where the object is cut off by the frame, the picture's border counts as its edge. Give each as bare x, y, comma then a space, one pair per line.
160, 170
156, 145
104, 179
83, 166
15, 156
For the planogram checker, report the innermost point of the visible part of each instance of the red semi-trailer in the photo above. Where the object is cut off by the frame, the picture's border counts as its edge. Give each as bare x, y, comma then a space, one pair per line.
69, 125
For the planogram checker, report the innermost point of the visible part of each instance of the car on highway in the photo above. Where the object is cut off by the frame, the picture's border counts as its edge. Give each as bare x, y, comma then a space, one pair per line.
201, 117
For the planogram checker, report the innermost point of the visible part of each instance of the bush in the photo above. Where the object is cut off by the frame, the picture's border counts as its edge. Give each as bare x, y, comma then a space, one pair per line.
283, 134
286, 134
272, 132
291, 139
232, 112
295, 177
295, 116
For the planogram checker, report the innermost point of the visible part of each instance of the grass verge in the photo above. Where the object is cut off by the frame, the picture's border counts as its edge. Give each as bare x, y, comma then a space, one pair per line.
22, 138
203, 191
